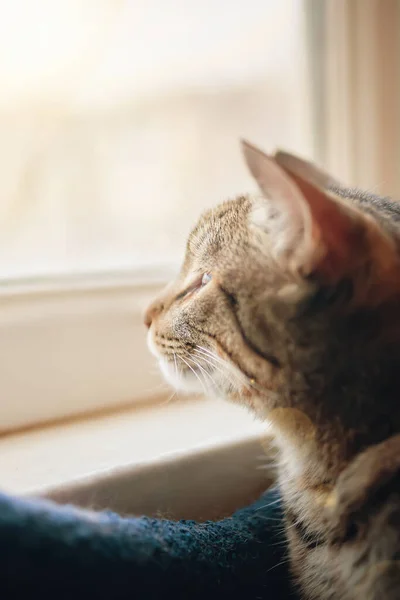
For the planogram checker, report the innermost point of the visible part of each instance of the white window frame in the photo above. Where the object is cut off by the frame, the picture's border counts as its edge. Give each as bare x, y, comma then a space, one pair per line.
75, 345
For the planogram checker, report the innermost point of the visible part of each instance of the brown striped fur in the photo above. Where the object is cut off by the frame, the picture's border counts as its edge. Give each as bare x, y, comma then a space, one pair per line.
289, 302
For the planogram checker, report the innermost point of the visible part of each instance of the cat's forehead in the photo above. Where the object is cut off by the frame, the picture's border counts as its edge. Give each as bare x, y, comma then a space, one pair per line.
220, 228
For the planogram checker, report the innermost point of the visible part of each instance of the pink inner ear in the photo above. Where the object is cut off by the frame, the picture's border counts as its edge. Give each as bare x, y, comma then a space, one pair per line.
336, 231
277, 186
330, 230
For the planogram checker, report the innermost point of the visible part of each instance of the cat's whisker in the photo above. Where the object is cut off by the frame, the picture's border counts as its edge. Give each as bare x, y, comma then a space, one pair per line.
177, 374
233, 369
212, 354
194, 372
214, 366
277, 501
223, 371
211, 361
169, 399
279, 564
266, 467
227, 371
197, 364
282, 543
250, 383
264, 457
294, 524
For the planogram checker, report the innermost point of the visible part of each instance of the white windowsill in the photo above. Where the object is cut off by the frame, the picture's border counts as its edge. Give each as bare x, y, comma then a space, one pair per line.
74, 345
195, 458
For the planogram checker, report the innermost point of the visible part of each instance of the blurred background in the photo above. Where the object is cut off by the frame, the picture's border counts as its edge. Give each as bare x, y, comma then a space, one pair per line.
120, 120
119, 124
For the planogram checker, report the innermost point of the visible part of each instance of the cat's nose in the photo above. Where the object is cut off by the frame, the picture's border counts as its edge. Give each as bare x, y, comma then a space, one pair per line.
154, 309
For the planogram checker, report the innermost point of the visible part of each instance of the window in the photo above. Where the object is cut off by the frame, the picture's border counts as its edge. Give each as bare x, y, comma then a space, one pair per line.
119, 123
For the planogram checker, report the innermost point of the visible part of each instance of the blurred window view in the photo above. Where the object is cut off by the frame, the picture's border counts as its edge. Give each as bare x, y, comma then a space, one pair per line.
120, 120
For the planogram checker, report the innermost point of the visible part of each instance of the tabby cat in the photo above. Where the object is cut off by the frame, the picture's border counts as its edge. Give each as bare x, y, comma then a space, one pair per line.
289, 302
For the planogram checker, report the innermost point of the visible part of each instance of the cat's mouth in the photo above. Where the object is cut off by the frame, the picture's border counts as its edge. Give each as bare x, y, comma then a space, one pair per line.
200, 369
186, 369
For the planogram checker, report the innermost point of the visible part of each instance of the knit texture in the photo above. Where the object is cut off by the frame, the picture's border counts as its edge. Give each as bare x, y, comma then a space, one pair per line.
48, 551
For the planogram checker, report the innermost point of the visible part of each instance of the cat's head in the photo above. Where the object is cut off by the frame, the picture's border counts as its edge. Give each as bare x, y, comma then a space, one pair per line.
266, 278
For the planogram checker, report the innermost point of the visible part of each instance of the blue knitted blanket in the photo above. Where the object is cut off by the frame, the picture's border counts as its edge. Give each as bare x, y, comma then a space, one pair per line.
48, 551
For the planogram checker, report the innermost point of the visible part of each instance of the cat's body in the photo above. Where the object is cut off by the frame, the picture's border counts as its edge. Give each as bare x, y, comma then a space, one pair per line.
290, 304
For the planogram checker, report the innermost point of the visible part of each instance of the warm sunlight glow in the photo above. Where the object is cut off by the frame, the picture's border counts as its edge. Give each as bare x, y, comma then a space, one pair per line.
114, 115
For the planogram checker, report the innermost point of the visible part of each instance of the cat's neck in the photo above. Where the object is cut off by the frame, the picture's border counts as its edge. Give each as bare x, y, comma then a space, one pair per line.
341, 388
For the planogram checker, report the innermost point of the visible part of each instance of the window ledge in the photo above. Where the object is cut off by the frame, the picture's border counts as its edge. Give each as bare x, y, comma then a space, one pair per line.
196, 458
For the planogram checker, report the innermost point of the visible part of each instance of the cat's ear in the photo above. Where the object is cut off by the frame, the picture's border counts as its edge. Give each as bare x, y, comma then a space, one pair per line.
311, 229
294, 165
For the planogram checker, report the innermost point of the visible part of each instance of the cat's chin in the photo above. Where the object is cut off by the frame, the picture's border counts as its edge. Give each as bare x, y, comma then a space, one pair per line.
188, 383
182, 382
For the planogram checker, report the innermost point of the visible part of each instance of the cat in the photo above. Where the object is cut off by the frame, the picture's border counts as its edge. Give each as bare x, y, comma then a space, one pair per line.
288, 301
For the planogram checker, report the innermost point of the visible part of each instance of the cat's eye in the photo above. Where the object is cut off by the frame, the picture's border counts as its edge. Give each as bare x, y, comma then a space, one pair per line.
206, 278
200, 282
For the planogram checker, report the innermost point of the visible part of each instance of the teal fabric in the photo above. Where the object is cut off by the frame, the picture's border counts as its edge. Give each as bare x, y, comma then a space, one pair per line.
48, 551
